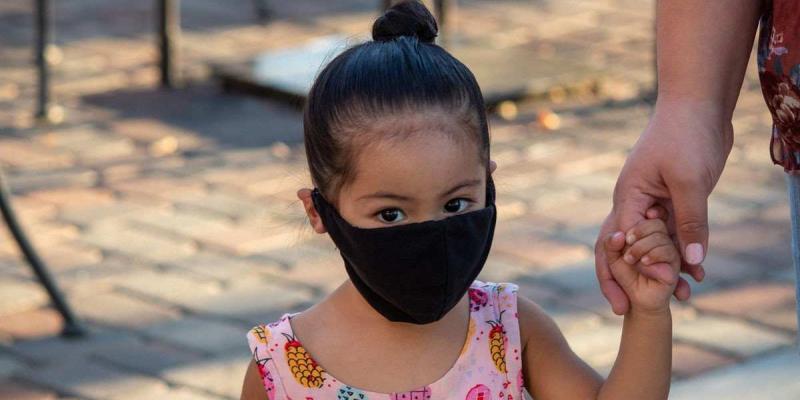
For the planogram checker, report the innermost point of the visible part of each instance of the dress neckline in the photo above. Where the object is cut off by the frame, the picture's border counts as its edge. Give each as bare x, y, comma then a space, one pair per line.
429, 387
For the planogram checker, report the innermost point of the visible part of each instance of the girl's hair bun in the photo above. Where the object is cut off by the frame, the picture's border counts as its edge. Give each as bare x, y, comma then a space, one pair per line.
407, 18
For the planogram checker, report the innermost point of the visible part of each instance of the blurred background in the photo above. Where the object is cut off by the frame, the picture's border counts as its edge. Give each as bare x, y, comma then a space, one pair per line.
159, 191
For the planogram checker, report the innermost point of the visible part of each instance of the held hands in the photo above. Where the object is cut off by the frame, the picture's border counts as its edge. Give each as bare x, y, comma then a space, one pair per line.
645, 246
674, 166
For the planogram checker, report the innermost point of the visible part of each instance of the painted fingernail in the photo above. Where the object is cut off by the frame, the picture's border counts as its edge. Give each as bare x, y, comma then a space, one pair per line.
694, 253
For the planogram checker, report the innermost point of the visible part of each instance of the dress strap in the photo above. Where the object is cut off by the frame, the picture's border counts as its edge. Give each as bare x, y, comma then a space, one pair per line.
495, 310
263, 346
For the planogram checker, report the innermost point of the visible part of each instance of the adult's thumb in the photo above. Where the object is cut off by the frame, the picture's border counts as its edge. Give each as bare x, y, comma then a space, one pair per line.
691, 222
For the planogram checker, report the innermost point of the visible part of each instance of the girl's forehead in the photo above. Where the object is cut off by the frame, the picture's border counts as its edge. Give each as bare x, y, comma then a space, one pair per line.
423, 160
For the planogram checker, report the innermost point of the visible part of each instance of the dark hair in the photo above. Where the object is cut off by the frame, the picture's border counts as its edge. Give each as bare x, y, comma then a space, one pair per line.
400, 71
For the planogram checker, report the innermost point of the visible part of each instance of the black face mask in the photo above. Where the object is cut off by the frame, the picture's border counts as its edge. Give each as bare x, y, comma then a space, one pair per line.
414, 272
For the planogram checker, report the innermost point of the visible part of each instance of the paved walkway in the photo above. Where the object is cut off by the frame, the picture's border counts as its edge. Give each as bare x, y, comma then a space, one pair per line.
170, 220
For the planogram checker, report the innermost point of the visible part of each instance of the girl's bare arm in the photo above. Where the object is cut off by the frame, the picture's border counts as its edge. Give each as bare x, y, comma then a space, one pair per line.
253, 388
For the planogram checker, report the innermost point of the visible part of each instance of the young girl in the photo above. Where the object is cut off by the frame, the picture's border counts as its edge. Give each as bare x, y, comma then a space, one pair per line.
398, 149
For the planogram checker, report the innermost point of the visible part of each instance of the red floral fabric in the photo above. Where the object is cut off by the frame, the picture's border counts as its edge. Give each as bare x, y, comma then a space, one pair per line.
779, 71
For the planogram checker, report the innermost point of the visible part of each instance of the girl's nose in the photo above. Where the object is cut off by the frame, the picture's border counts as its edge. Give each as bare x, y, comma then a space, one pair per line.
434, 215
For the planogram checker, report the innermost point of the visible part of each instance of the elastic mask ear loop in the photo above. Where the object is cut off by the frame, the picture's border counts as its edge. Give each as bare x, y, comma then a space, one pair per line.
318, 200
323, 207
490, 191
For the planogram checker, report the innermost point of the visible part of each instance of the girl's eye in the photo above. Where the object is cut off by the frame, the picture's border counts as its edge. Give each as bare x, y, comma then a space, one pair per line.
456, 205
391, 215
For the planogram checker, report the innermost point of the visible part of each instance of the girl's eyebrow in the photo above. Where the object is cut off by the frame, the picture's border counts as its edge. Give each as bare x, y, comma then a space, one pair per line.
385, 195
398, 197
467, 183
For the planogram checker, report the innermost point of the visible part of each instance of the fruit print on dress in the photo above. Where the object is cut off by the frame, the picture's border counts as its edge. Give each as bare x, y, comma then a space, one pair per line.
304, 369
497, 343
505, 301
419, 394
269, 383
500, 287
479, 392
349, 393
476, 375
477, 299
261, 333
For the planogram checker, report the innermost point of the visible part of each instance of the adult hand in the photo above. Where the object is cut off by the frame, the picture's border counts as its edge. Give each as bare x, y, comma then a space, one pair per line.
670, 173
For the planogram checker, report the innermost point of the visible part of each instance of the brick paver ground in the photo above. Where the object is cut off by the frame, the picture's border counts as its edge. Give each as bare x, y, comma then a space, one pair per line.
169, 217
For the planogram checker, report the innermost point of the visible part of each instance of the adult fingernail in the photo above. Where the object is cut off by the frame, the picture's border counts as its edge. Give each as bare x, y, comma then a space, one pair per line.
694, 253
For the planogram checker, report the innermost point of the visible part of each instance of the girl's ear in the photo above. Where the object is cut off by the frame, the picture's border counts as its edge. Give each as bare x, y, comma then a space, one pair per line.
313, 216
492, 166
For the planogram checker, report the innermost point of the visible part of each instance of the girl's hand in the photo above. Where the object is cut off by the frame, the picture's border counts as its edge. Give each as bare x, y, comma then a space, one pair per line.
645, 246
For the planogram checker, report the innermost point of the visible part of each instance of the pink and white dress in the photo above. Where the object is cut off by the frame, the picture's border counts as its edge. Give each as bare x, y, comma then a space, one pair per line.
489, 366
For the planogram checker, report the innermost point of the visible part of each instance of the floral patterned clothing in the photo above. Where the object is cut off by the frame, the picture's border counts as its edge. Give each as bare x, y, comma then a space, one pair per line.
779, 71
489, 366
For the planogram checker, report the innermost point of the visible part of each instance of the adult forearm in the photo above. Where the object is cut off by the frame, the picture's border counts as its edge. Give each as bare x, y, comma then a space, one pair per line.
644, 362
703, 48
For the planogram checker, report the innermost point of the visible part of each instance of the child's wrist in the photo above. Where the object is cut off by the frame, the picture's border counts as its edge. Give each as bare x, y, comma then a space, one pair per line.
650, 312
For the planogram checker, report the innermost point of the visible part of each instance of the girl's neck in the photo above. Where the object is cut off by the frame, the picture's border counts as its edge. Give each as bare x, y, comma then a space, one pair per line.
344, 333
346, 305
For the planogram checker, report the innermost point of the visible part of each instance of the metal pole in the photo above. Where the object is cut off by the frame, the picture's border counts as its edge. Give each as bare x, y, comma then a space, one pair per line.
44, 32
72, 327
169, 36
262, 10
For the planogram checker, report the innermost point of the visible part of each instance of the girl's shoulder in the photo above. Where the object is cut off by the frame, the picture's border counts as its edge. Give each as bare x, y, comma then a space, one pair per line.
527, 317
537, 327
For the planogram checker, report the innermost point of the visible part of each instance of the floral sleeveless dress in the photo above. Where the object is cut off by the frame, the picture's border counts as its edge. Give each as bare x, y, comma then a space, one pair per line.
489, 366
